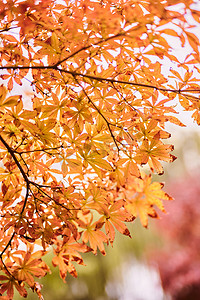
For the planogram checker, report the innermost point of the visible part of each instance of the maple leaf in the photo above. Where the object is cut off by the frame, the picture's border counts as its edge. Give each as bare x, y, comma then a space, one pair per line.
115, 216
92, 233
28, 267
67, 253
154, 151
141, 201
9, 101
8, 284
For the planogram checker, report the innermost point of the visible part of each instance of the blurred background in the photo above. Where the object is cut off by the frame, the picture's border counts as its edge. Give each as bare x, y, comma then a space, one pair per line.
158, 263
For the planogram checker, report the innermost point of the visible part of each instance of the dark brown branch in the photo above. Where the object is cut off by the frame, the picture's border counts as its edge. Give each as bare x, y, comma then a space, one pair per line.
95, 44
8, 28
27, 67
38, 150
12, 153
101, 79
27, 190
190, 90
26, 197
8, 244
92, 77
4, 250
43, 185
56, 202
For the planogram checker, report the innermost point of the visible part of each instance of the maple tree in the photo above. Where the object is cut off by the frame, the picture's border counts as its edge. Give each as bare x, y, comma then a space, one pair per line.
72, 149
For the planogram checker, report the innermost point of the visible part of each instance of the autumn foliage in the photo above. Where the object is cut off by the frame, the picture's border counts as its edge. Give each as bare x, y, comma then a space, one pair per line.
87, 88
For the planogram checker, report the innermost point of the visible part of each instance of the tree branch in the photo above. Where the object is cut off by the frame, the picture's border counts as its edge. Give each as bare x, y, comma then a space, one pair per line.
4, 250
93, 77
100, 113
38, 150
27, 190
12, 153
56, 202
8, 244
98, 78
95, 44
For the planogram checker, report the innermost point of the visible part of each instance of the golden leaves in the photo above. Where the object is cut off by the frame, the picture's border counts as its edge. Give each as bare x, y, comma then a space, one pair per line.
143, 196
9, 101
95, 160
95, 112
151, 151
68, 253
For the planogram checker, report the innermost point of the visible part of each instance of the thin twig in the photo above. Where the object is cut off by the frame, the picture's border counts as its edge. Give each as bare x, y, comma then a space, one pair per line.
38, 150
12, 153
59, 204
100, 113
4, 250
8, 244
124, 33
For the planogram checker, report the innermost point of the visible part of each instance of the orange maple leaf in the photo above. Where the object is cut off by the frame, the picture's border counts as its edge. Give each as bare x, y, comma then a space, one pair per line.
143, 197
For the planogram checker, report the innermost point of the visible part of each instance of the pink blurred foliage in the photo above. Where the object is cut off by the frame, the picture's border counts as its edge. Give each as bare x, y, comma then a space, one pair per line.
179, 261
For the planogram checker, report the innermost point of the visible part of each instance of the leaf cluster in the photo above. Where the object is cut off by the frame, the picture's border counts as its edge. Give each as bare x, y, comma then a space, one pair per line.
73, 146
